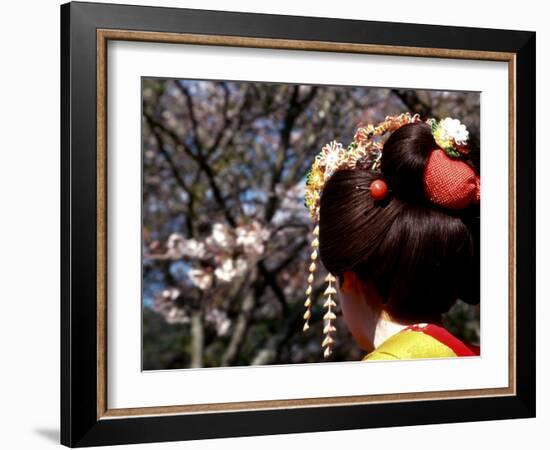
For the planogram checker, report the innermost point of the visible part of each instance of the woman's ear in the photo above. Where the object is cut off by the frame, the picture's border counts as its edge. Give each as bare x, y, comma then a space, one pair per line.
350, 282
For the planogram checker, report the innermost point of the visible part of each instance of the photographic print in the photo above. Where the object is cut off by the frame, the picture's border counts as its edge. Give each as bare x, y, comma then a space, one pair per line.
292, 223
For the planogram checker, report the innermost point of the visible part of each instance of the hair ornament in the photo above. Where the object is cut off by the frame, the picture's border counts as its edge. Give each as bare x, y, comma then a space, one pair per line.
378, 189
310, 278
448, 182
451, 136
364, 152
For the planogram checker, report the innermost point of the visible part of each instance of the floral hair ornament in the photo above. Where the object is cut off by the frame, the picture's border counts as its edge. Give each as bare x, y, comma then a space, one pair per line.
448, 182
451, 136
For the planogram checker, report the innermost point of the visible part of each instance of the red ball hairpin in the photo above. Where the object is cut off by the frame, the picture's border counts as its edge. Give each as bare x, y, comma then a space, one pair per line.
378, 189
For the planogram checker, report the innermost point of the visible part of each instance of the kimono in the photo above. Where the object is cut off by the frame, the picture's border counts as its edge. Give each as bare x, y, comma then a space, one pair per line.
422, 341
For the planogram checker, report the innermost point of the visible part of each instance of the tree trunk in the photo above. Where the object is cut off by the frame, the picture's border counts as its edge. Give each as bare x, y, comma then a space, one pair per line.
197, 340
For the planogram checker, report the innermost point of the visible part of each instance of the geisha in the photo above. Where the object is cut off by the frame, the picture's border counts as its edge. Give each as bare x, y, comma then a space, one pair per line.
395, 216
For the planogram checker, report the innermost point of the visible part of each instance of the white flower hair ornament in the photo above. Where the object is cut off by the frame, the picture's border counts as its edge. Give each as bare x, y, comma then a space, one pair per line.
365, 153
450, 135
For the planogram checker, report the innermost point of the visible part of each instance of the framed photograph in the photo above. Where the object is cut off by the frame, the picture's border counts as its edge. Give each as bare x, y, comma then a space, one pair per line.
278, 224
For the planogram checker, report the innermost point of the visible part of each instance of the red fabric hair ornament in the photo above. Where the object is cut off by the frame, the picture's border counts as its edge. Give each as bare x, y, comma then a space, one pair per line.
449, 182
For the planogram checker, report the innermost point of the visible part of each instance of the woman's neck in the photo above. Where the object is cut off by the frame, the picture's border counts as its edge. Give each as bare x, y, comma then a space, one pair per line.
386, 328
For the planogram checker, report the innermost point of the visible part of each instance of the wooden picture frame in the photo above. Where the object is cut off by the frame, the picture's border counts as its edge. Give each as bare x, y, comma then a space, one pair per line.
86, 418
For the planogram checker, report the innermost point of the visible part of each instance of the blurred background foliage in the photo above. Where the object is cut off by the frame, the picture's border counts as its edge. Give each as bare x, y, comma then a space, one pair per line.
225, 232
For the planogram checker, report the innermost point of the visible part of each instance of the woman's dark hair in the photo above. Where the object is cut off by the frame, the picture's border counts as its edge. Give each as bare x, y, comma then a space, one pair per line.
419, 257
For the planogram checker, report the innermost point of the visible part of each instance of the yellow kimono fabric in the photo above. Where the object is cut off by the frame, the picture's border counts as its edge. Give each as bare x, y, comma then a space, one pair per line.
410, 344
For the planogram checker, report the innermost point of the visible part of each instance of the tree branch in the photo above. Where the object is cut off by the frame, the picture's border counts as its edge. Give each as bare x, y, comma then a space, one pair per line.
241, 326
226, 119
290, 257
271, 279
177, 176
295, 108
413, 102
192, 117
240, 330
270, 352
203, 165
